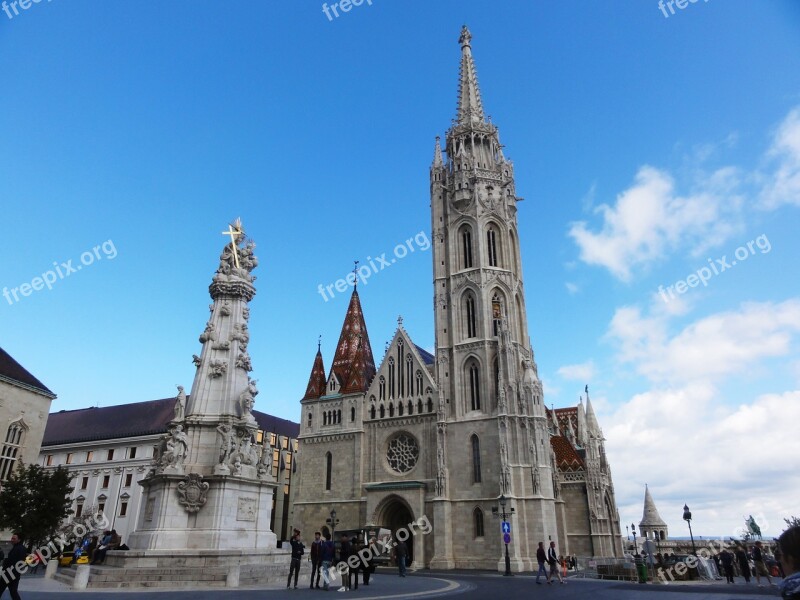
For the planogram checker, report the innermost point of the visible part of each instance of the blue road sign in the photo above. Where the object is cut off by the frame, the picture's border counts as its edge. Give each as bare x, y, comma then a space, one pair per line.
506, 538
506, 527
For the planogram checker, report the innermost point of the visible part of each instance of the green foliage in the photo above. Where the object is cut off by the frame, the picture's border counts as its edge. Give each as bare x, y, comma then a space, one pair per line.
792, 522
34, 501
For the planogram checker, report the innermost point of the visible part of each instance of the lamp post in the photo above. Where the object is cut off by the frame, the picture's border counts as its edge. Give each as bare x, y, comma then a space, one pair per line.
687, 516
333, 522
504, 515
628, 533
635, 545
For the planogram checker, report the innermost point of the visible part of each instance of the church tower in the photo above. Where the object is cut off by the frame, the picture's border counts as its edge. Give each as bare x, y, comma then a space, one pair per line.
492, 429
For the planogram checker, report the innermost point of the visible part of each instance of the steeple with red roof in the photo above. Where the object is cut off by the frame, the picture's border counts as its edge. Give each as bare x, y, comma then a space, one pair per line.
316, 382
353, 364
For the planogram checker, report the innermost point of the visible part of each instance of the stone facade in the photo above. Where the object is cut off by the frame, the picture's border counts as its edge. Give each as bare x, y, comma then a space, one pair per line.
447, 436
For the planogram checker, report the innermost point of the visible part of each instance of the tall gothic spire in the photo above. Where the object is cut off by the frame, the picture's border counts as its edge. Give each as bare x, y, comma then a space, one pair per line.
650, 517
316, 382
437, 153
470, 107
353, 363
591, 418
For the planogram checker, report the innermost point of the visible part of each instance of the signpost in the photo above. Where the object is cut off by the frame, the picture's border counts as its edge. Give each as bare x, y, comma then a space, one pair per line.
505, 527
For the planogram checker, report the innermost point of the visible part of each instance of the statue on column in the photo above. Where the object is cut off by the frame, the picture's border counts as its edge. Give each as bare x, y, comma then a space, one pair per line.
180, 404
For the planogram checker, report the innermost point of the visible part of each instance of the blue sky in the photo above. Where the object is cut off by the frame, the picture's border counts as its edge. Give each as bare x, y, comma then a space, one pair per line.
644, 146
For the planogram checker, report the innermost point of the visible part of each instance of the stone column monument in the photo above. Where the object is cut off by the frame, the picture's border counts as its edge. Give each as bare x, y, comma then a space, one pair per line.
209, 493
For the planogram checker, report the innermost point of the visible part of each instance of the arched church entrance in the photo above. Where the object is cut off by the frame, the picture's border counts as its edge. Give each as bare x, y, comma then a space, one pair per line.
395, 514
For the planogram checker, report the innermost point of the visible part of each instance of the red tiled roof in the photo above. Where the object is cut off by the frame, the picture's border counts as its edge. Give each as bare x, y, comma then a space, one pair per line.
567, 458
316, 382
353, 363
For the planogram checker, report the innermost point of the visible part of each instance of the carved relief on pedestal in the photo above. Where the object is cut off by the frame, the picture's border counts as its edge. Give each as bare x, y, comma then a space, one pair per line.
209, 334
193, 492
224, 346
217, 368
243, 362
246, 511
225, 310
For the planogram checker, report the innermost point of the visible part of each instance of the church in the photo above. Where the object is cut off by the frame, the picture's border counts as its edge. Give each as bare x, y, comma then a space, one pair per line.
463, 435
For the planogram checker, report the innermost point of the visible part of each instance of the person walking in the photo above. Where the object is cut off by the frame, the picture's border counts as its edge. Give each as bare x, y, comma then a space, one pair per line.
327, 551
552, 559
298, 549
761, 567
344, 554
315, 559
541, 558
789, 544
10, 576
726, 558
744, 564
369, 566
401, 552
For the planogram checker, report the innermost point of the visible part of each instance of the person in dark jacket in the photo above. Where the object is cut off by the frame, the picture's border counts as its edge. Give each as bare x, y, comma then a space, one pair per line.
327, 552
726, 558
315, 559
541, 558
401, 553
369, 566
10, 576
298, 549
345, 549
744, 563
789, 544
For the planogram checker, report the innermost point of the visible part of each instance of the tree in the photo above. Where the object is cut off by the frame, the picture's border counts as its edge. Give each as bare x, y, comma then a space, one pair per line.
34, 501
792, 522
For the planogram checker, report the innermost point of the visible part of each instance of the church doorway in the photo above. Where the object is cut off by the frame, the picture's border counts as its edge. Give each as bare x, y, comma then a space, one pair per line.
394, 514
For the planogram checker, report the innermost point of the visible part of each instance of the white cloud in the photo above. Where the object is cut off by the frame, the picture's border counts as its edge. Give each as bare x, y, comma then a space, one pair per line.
582, 372
708, 349
650, 219
572, 288
783, 186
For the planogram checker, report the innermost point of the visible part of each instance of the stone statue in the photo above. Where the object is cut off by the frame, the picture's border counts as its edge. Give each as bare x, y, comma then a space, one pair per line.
180, 404
196, 360
246, 403
209, 334
227, 446
536, 482
180, 445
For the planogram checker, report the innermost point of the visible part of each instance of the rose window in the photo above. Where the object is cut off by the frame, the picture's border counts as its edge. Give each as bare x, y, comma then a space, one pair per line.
403, 452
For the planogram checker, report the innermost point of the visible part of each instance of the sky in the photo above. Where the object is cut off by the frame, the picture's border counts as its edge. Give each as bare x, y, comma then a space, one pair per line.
658, 155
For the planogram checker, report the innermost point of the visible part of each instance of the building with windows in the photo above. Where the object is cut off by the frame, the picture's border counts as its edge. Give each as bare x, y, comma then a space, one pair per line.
110, 449
24, 405
449, 435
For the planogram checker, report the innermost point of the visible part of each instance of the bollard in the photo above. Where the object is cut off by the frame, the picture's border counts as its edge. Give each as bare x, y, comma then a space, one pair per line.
232, 580
81, 578
51, 569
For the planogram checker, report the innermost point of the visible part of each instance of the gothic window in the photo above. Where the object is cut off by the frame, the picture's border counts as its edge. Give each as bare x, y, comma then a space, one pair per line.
372, 412
491, 246
324, 418
402, 453
419, 406
497, 376
401, 380
466, 247
391, 409
410, 407
409, 375
520, 320
419, 383
338, 416
476, 459
469, 312
309, 419
352, 414
400, 408
497, 314
391, 378
15, 435
328, 470
430, 405
382, 388
333, 384
474, 386
382, 411
478, 521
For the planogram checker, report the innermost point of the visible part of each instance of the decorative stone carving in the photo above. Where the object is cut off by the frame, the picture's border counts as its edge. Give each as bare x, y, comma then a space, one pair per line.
224, 346
227, 446
217, 368
402, 453
193, 492
247, 401
209, 334
246, 511
240, 333
536, 480
196, 360
225, 310
243, 362
173, 452
246, 313
180, 404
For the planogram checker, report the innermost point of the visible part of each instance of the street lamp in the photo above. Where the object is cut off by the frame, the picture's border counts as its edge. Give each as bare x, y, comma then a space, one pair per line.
506, 536
333, 522
635, 545
687, 516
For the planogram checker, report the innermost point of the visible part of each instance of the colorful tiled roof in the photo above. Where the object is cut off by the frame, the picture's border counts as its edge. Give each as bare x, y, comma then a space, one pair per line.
567, 457
353, 363
316, 381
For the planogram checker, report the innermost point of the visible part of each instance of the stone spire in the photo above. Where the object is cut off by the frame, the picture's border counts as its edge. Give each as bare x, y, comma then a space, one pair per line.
591, 419
316, 382
470, 107
353, 363
651, 520
437, 154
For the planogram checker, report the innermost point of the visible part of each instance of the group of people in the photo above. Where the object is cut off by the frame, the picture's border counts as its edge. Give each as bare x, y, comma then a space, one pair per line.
551, 558
327, 563
738, 563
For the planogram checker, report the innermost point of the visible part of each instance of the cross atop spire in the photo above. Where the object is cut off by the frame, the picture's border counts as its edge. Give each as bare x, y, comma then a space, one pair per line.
470, 107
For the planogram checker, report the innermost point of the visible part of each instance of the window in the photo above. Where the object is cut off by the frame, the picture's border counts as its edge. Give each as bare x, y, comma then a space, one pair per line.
391, 378
352, 414
491, 246
497, 314
69, 458
15, 436
155, 451
469, 310
400, 409
89, 456
84, 483
110, 455
383, 411
474, 387
410, 407
466, 248
123, 509
478, 520
419, 406
328, 470
128, 479
419, 383
430, 405
106, 480
132, 452
476, 459
49, 461
372, 412
78, 511
391, 410
101, 507
309, 420
324, 418
382, 388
